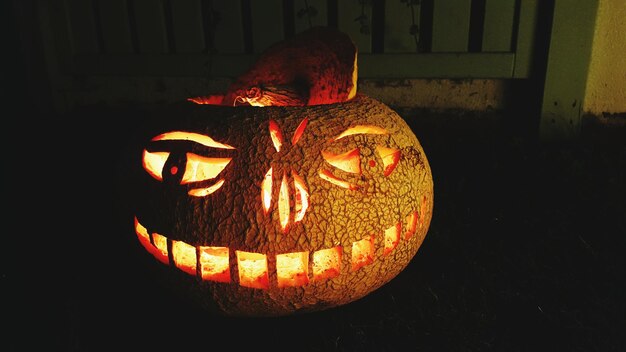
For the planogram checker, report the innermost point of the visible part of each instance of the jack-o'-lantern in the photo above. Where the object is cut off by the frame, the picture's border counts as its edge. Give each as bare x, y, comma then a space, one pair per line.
269, 211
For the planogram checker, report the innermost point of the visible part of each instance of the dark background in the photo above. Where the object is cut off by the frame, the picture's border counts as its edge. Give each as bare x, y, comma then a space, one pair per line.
525, 251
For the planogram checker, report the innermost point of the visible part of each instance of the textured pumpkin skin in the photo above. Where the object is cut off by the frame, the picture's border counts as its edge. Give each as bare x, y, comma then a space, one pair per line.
233, 216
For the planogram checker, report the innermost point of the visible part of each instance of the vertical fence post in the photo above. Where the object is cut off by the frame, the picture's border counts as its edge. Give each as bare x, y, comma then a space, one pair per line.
568, 63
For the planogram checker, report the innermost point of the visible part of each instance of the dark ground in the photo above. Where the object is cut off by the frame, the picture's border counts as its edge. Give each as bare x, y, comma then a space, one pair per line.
525, 252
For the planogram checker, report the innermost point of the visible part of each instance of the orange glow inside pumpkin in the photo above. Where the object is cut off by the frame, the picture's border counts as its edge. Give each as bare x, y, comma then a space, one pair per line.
154, 162
276, 135
411, 225
184, 257
252, 269
144, 239
199, 168
328, 176
283, 203
214, 265
302, 197
299, 131
301, 201
327, 263
363, 252
292, 269
361, 129
191, 136
266, 190
348, 162
392, 238
142, 234
390, 157
203, 192
160, 243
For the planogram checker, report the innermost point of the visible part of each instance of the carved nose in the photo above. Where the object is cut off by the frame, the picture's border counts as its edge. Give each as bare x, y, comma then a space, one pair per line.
289, 183
289, 210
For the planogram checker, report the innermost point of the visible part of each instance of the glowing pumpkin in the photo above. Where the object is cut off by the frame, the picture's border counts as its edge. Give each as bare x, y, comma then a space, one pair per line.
283, 209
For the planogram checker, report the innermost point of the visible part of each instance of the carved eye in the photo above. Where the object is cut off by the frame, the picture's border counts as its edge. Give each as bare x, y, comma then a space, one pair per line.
350, 161
189, 168
390, 157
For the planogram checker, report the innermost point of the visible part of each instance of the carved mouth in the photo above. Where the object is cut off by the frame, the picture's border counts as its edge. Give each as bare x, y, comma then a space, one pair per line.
292, 269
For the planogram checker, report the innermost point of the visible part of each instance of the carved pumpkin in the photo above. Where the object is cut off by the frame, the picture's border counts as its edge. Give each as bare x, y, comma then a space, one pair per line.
312, 201
279, 210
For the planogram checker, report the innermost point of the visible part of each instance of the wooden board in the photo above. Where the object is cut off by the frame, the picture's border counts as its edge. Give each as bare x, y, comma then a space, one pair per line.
187, 26
320, 19
451, 25
229, 30
150, 26
399, 17
114, 26
525, 38
267, 23
347, 13
568, 64
82, 26
498, 25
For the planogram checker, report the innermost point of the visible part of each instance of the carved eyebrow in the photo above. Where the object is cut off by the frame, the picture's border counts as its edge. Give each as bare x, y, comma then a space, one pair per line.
194, 137
361, 129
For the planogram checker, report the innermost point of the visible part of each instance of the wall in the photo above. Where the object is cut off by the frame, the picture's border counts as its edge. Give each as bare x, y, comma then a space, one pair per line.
606, 82
479, 95
439, 94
